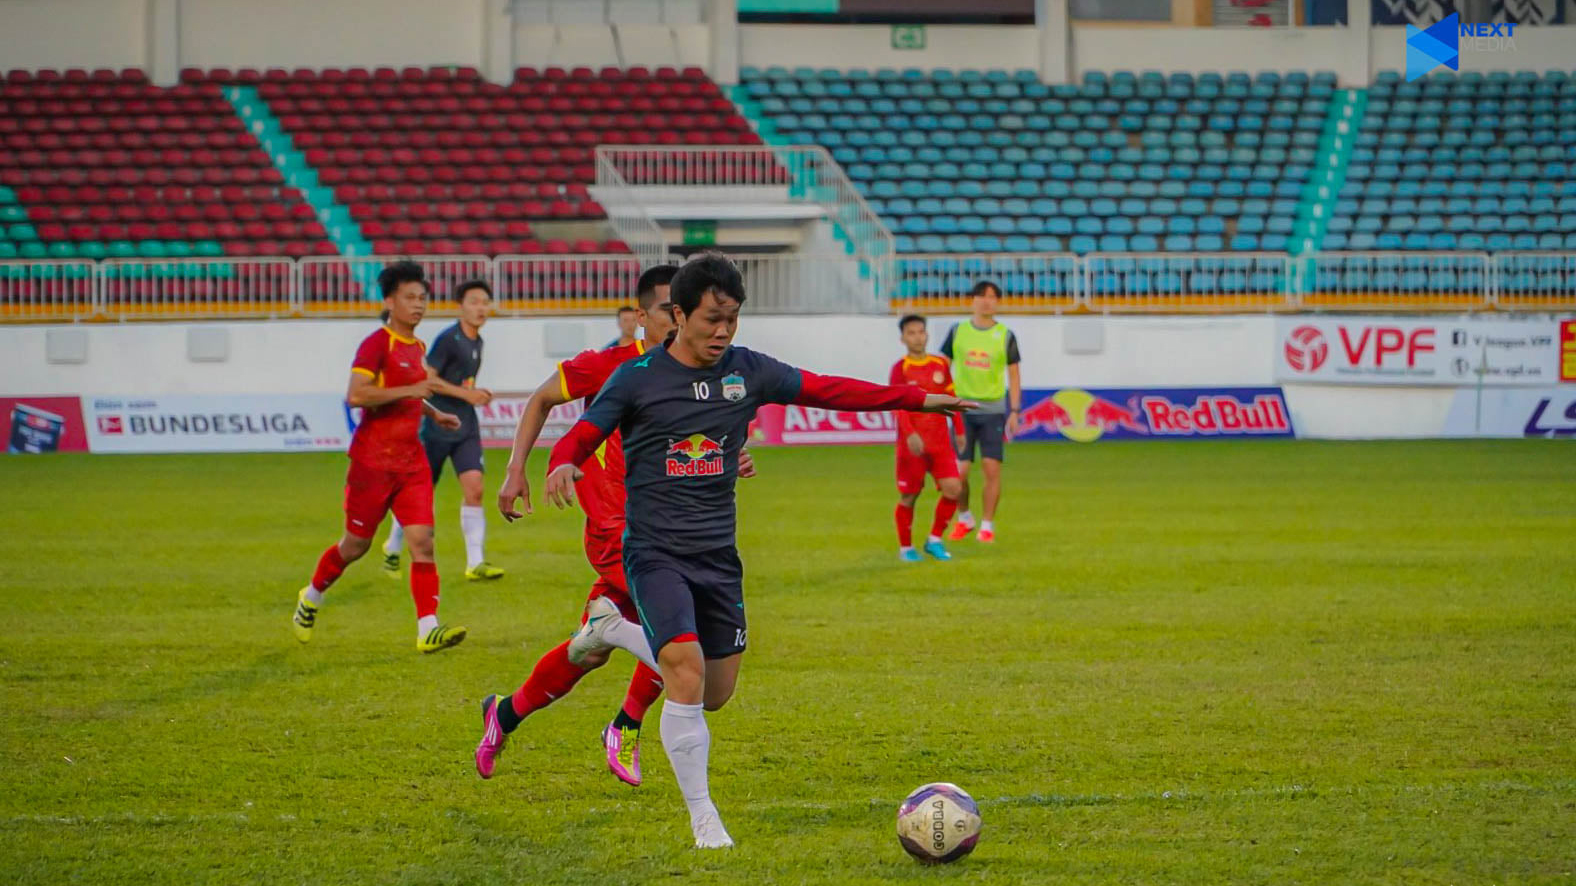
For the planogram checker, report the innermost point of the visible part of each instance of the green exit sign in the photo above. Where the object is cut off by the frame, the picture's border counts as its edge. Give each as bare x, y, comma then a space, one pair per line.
908, 36
700, 233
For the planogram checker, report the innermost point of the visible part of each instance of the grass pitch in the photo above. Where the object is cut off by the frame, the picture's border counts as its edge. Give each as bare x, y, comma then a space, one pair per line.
1188, 663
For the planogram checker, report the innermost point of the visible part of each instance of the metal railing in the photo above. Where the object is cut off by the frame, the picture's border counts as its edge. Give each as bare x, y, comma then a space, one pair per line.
152, 289
1377, 281
49, 290
797, 283
756, 173
343, 286
1207, 282
564, 284
1533, 280
627, 214
806, 283
936, 282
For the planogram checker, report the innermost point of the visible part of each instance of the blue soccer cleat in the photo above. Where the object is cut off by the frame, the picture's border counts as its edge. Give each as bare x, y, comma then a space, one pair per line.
908, 555
936, 549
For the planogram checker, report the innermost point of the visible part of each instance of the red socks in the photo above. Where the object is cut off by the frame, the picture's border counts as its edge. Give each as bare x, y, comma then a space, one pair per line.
329, 568
551, 679
424, 588
945, 508
904, 515
644, 689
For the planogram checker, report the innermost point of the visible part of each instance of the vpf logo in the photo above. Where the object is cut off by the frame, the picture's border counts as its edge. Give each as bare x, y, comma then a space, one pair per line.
1306, 349
695, 456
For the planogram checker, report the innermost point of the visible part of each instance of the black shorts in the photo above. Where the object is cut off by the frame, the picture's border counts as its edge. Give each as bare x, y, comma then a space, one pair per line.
465, 452
989, 430
700, 594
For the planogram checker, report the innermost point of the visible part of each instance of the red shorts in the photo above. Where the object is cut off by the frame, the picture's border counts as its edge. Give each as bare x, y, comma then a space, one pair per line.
370, 493
605, 552
938, 460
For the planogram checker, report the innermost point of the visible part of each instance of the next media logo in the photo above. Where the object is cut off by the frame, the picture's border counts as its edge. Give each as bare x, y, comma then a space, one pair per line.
1440, 43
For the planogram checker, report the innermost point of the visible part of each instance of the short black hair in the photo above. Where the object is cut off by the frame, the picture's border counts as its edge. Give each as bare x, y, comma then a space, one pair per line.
910, 318
626, 309
650, 279
393, 276
980, 287
468, 285
705, 272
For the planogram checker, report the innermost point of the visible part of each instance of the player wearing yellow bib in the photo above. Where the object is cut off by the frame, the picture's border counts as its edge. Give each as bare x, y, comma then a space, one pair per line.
984, 357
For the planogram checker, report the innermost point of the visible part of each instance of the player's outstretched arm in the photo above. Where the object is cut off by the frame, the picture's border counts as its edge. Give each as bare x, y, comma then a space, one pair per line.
364, 391
526, 432
837, 392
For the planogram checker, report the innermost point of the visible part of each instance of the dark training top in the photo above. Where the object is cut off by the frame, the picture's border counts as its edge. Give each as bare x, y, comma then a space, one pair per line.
683, 429
458, 360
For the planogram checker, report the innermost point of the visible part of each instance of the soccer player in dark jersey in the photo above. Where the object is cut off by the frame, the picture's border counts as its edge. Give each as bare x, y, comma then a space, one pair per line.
923, 445
454, 361
388, 469
683, 412
609, 617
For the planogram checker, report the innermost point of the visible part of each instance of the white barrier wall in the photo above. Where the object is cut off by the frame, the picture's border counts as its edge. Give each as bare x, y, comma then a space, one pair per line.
73, 34
321, 33
298, 357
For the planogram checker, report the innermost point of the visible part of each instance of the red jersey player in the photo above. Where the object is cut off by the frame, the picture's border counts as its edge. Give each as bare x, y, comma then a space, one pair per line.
610, 617
923, 445
388, 467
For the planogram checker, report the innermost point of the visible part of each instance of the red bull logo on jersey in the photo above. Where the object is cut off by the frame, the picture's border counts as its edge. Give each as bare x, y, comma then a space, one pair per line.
1085, 416
695, 456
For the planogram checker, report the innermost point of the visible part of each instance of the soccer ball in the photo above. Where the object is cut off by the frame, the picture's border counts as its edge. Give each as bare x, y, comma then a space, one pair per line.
938, 823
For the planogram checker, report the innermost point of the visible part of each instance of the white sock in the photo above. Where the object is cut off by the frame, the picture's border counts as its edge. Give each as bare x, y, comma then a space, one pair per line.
631, 638
473, 525
396, 538
903, 549
314, 596
934, 539
688, 745
966, 518
986, 527
424, 624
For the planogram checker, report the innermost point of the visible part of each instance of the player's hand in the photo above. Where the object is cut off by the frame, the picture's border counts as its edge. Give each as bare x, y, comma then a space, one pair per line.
916, 444
479, 396
421, 390
515, 487
561, 486
746, 464
447, 420
947, 403
1012, 425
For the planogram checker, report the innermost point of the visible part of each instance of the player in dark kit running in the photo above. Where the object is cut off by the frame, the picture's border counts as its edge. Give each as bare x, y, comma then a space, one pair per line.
683, 412
609, 617
455, 359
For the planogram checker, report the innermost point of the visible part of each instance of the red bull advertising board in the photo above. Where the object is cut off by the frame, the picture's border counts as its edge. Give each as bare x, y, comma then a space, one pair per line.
1084, 415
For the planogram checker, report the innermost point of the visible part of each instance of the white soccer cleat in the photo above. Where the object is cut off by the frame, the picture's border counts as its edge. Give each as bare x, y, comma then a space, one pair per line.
601, 617
709, 832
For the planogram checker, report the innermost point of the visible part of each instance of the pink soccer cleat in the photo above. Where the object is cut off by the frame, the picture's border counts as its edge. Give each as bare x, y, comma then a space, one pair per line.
623, 753
493, 738
986, 535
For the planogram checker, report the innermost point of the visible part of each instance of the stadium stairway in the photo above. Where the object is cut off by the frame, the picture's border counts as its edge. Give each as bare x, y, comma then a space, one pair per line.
335, 217
1335, 151
342, 230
